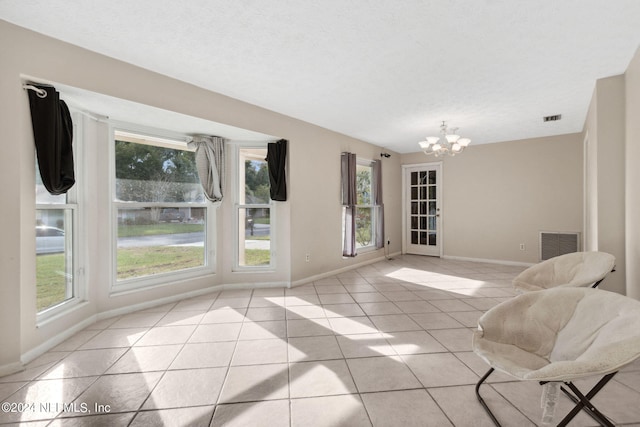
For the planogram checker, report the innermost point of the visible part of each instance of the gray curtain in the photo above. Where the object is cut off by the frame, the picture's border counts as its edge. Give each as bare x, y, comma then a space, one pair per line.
210, 164
349, 201
377, 201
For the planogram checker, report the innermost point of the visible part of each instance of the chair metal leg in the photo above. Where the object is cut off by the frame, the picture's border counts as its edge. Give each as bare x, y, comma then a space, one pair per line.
481, 400
583, 402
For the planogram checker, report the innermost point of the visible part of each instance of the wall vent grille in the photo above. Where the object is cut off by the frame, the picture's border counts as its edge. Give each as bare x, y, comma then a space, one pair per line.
552, 118
554, 243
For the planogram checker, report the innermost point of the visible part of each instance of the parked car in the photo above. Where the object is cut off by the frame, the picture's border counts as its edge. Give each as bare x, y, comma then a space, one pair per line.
49, 240
171, 214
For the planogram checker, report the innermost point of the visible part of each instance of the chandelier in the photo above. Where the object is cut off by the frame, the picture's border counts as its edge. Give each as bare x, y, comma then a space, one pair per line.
447, 143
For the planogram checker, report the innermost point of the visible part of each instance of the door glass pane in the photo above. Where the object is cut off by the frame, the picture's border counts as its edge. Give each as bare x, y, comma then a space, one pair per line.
414, 178
432, 239
159, 240
255, 241
432, 223
54, 266
432, 192
414, 238
423, 238
423, 208
414, 207
423, 193
432, 208
414, 193
414, 222
423, 177
432, 177
423, 223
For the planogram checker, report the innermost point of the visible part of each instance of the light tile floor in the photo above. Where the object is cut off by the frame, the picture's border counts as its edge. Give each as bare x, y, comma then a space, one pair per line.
388, 344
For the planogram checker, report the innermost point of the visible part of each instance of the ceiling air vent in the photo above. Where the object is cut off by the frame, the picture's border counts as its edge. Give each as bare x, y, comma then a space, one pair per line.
552, 118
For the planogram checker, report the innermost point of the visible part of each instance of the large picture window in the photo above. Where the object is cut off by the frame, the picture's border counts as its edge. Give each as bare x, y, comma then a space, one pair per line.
161, 212
253, 209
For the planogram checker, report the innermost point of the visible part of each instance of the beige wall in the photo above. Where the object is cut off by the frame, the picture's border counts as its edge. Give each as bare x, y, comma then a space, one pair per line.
310, 222
497, 196
604, 136
632, 178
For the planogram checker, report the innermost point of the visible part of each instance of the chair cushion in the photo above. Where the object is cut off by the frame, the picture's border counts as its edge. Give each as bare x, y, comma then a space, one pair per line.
574, 269
560, 334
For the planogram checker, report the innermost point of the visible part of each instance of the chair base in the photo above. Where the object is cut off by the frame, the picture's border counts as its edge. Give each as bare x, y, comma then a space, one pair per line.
583, 402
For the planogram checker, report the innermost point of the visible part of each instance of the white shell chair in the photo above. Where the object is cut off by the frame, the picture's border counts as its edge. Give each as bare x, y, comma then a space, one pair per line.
573, 269
559, 335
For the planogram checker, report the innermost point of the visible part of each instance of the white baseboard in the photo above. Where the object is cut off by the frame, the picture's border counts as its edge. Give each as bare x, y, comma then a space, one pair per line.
35, 352
11, 368
489, 261
156, 302
340, 270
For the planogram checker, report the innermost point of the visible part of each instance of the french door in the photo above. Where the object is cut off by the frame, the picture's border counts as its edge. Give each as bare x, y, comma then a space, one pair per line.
422, 222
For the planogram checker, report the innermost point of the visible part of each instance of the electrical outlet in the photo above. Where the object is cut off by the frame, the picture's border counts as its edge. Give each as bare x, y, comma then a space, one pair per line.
522, 247
307, 258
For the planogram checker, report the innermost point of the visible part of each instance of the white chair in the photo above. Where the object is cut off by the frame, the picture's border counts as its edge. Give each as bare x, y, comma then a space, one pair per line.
573, 269
559, 335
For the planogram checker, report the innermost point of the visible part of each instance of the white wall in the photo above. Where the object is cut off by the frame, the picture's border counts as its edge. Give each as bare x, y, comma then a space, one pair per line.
497, 196
632, 177
605, 135
310, 222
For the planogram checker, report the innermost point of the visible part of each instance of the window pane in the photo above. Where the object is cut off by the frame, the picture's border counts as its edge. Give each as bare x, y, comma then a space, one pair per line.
432, 177
150, 173
254, 179
432, 192
364, 227
255, 237
363, 184
160, 240
54, 266
414, 178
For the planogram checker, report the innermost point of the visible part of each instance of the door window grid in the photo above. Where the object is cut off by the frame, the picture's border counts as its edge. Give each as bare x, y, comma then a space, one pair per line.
424, 209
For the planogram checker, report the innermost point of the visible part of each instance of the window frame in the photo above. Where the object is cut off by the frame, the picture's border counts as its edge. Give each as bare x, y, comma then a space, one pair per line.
238, 146
165, 278
360, 161
72, 209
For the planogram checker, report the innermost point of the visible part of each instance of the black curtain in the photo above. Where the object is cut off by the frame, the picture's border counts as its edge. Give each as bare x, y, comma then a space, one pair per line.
53, 134
276, 162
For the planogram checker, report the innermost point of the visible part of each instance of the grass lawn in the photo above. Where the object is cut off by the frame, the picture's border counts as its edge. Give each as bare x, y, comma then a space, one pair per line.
253, 257
145, 261
154, 229
50, 280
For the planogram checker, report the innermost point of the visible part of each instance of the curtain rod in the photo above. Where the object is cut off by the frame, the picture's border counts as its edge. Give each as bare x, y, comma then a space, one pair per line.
40, 92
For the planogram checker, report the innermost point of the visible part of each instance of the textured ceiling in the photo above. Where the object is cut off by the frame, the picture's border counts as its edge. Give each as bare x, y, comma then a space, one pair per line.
384, 71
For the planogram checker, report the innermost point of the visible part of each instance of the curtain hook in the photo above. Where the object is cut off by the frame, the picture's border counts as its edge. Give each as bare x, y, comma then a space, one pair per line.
40, 92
